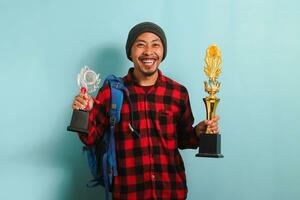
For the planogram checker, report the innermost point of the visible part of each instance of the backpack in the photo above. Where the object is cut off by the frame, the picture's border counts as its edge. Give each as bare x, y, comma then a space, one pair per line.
102, 156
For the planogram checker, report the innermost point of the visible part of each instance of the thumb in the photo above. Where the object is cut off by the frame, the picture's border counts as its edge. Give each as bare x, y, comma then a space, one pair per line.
207, 122
87, 96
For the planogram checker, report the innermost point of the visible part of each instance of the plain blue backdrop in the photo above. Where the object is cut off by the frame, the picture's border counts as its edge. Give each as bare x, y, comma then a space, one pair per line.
43, 45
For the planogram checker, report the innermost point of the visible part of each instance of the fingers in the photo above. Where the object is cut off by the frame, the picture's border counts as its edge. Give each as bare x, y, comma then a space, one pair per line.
215, 118
84, 96
80, 101
78, 105
213, 129
213, 124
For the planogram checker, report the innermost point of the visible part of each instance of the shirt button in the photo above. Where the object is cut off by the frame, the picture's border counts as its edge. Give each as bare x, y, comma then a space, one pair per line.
153, 177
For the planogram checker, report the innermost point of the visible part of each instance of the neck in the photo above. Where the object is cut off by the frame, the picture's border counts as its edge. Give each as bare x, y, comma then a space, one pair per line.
145, 80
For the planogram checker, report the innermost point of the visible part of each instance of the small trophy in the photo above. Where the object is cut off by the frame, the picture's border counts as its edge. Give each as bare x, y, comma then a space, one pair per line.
88, 81
210, 142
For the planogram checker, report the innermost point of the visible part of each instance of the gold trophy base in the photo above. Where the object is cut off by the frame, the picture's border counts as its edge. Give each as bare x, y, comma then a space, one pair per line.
210, 146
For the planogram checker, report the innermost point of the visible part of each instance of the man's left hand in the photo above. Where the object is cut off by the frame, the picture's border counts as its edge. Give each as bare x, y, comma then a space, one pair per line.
210, 125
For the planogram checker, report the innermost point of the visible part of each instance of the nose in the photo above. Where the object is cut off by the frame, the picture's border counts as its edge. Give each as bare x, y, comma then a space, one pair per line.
148, 50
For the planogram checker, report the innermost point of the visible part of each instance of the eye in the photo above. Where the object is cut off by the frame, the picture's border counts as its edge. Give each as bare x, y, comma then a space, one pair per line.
140, 44
156, 45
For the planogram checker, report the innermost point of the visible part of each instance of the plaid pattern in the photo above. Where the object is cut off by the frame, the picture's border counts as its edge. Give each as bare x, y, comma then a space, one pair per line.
149, 167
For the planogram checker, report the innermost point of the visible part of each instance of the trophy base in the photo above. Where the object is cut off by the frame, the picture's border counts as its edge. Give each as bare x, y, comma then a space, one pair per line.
209, 155
78, 130
210, 146
79, 122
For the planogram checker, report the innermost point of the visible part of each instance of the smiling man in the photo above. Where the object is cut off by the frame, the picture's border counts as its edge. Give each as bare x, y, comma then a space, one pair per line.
146, 47
149, 166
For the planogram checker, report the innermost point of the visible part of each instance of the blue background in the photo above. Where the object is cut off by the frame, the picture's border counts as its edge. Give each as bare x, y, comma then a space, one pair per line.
44, 44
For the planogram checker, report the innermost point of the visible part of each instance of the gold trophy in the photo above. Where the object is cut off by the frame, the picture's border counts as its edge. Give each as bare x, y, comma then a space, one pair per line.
210, 142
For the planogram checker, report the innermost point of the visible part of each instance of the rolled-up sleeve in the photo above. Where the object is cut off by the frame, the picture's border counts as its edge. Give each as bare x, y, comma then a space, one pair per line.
187, 138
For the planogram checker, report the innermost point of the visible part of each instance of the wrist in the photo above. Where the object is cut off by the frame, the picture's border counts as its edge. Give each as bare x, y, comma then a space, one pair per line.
200, 128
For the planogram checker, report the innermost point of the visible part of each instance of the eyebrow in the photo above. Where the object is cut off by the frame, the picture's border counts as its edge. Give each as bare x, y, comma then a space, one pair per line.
155, 40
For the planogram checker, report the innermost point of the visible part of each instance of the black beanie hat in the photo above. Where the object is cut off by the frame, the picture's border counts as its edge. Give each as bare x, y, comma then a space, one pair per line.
142, 28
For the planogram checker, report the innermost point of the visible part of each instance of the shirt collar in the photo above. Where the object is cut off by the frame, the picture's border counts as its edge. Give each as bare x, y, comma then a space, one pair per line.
129, 79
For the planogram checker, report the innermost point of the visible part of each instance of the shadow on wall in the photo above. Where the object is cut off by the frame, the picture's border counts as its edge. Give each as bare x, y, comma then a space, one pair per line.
63, 150
104, 60
107, 60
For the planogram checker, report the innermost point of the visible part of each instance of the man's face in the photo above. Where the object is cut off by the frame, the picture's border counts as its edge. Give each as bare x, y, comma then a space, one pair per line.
147, 53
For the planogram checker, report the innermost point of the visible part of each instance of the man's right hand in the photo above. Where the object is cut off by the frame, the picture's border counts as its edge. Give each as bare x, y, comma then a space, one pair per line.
83, 102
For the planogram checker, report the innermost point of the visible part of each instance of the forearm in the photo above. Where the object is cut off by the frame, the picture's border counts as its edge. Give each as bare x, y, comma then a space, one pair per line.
94, 133
188, 139
98, 120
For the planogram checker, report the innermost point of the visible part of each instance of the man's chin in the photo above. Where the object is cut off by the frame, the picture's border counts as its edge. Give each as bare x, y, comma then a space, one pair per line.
149, 73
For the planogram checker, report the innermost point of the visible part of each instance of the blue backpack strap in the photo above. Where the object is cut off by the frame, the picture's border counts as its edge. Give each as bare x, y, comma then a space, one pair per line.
116, 88
119, 89
109, 161
105, 175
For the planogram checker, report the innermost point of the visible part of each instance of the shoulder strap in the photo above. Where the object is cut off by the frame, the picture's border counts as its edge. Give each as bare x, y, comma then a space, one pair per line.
109, 161
117, 87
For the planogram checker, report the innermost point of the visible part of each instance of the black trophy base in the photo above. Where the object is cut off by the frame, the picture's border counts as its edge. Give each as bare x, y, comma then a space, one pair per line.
210, 146
208, 155
79, 122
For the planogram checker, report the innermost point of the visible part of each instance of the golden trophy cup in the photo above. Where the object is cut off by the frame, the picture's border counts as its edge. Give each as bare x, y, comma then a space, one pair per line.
210, 142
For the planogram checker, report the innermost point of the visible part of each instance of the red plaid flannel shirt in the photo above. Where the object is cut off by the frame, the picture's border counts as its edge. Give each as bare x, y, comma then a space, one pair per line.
149, 167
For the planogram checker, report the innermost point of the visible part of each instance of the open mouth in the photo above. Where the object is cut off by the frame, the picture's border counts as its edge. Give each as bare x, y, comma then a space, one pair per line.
148, 61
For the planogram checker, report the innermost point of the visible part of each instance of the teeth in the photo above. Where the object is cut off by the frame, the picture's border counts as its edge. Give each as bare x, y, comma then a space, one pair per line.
148, 61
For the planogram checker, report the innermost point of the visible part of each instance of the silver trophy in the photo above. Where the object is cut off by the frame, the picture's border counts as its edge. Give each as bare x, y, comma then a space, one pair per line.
88, 81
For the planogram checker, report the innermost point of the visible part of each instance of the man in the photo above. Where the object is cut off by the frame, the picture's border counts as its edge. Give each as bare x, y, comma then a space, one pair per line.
149, 166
